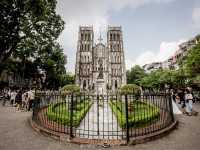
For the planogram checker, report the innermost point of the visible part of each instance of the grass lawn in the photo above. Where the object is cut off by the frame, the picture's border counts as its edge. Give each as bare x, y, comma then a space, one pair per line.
60, 112
139, 113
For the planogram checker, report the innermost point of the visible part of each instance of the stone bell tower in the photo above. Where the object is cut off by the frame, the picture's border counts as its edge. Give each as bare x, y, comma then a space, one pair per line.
83, 69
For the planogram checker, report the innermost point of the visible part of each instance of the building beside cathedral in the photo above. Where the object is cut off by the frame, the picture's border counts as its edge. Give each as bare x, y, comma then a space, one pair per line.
100, 68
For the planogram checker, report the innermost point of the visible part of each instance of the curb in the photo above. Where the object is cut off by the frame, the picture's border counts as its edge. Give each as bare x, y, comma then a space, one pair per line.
155, 135
55, 135
133, 141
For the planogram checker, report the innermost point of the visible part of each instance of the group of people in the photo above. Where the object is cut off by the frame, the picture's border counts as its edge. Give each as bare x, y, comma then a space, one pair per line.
185, 98
20, 98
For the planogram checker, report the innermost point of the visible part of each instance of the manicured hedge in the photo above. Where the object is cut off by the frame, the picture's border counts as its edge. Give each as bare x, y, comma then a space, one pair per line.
136, 118
70, 88
60, 112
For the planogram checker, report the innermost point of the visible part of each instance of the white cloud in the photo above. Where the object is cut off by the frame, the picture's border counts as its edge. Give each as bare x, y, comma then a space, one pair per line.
166, 50
90, 12
196, 17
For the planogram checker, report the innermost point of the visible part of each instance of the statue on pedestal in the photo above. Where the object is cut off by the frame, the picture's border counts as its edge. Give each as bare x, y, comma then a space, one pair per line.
100, 69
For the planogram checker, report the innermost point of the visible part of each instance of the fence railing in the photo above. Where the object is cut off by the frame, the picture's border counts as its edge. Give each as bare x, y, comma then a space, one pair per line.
103, 116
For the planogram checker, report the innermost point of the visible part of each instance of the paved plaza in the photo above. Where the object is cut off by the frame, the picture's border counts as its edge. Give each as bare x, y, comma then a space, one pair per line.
16, 134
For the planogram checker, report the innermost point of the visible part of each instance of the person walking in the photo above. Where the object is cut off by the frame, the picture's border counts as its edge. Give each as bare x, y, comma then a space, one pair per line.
188, 102
6, 97
12, 97
181, 98
18, 99
31, 97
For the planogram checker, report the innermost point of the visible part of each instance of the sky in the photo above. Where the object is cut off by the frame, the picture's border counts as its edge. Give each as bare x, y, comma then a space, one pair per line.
152, 29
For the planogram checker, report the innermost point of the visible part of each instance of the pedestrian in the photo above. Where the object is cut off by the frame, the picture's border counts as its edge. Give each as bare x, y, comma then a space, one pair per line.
24, 100
173, 95
5, 97
181, 97
12, 97
31, 97
18, 99
188, 102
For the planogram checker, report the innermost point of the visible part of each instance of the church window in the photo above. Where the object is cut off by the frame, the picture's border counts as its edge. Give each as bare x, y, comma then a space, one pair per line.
115, 84
118, 37
84, 84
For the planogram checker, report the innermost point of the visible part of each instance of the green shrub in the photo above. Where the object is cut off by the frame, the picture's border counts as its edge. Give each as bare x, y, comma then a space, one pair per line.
130, 89
70, 88
137, 117
61, 114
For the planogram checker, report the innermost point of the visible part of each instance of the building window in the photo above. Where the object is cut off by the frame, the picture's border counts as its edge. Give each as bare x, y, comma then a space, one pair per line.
118, 37
84, 84
115, 84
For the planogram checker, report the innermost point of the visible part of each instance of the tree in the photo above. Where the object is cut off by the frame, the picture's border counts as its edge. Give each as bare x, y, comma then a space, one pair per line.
29, 31
9, 27
53, 64
191, 64
135, 75
130, 89
151, 80
67, 78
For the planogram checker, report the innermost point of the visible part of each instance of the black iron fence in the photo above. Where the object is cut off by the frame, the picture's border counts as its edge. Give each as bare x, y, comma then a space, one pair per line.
103, 116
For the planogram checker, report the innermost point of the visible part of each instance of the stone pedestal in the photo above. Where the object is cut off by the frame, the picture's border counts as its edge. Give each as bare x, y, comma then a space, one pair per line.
100, 87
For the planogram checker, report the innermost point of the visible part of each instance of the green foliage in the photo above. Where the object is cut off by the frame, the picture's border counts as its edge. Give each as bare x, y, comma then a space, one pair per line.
71, 88
135, 75
60, 112
159, 79
130, 89
142, 113
68, 78
191, 64
29, 31
9, 27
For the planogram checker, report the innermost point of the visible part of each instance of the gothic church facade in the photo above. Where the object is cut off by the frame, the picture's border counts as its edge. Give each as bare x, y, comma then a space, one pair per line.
100, 68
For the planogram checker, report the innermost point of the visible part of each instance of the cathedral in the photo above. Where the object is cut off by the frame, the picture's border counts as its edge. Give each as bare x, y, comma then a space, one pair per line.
100, 68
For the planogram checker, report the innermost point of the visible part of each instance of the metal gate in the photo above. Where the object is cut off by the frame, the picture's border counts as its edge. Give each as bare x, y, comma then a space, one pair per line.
99, 122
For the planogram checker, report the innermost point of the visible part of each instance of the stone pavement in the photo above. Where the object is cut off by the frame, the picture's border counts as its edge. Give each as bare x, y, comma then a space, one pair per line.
99, 125
16, 134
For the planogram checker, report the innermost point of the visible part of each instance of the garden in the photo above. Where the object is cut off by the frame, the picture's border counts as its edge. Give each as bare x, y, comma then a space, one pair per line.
139, 113
62, 114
